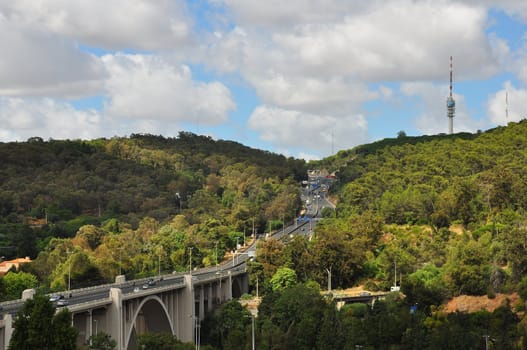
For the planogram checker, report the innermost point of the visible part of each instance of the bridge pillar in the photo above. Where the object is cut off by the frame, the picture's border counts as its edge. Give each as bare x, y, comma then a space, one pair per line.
210, 305
89, 330
228, 295
7, 330
115, 321
201, 308
186, 312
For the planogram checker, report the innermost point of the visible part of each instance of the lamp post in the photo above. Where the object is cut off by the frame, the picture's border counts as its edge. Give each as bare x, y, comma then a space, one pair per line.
159, 265
69, 269
190, 259
329, 279
120, 260
252, 331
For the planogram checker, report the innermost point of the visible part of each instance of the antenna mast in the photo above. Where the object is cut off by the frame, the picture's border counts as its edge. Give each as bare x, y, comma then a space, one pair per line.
450, 104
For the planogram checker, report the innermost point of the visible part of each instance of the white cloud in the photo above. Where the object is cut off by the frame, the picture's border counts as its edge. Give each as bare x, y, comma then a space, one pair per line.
433, 118
513, 8
278, 13
42, 64
291, 129
131, 24
517, 105
333, 96
399, 40
21, 119
147, 87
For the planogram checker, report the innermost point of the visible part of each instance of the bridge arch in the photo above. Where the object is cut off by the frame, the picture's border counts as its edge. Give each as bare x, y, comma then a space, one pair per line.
237, 288
151, 316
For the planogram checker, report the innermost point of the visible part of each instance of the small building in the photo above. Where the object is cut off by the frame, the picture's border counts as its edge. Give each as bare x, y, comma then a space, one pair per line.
7, 265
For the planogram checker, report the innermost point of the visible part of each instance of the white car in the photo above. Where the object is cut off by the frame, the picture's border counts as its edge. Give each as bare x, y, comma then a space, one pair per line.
56, 297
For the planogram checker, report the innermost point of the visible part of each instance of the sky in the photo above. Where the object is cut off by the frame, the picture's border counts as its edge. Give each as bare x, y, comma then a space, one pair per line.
304, 78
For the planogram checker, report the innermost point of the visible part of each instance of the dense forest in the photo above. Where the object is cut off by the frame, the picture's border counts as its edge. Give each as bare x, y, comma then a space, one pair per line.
135, 205
445, 212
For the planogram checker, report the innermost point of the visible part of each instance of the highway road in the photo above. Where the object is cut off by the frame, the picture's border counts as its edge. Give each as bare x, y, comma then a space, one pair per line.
316, 199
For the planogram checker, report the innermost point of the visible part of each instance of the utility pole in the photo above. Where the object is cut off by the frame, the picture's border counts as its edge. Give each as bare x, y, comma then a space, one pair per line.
69, 269
486, 336
190, 259
329, 279
120, 260
252, 329
216, 253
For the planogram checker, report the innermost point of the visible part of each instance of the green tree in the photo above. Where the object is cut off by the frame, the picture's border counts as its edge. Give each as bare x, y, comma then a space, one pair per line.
16, 282
291, 319
101, 341
38, 327
283, 278
227, 327
161, 341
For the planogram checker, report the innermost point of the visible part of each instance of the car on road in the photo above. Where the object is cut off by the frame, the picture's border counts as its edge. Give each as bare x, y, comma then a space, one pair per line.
62, 302
56, 297
145, 286
364, 294
136, 289
151, 282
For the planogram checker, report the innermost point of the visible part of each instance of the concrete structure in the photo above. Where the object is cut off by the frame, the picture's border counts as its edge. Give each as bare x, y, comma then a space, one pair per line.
171, 304
7, 265
450, 105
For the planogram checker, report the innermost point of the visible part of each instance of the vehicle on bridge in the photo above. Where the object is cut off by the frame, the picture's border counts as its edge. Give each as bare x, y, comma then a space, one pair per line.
56, 297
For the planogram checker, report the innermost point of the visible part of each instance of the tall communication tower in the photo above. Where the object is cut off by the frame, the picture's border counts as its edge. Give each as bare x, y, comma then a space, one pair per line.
450, 104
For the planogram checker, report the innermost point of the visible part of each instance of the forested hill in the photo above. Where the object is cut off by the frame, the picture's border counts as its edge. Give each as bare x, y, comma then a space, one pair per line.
55, 187
439, 179
448, 210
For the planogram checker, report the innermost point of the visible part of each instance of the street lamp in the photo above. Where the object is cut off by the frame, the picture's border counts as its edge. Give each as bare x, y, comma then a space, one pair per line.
159, 265
329, 279
190, 259
252, 331
237, 254
69, 269
120, 260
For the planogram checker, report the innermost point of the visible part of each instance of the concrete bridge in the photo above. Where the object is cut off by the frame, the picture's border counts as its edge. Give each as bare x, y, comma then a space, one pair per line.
173, 304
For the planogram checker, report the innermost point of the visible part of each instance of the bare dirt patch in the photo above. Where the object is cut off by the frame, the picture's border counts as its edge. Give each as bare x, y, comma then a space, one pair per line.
470, 303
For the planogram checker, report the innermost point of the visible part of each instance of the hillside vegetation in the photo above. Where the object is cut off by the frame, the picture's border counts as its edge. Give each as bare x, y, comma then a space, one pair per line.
136, 205
446, 213
439, 216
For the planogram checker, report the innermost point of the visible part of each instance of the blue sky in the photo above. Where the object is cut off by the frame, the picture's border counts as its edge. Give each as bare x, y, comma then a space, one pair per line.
305, 78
